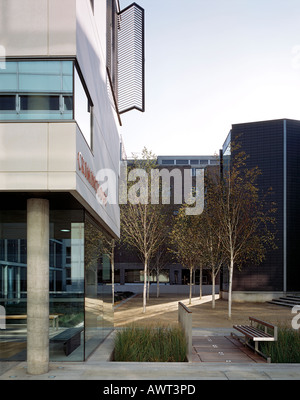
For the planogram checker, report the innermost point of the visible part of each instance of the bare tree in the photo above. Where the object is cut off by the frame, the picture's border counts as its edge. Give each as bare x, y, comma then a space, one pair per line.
212, 256
160, 259
142, 223
209, 234
245, 217
185, 245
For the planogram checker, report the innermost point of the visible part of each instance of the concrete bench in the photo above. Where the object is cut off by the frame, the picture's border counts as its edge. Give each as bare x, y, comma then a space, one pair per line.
70, 337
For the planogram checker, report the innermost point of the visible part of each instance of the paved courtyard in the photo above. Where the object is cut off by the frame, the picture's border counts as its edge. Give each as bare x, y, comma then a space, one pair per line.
164, 310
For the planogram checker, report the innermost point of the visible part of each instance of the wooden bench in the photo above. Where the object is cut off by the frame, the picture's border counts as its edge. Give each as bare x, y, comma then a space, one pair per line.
257, 333
52, 317
71, 339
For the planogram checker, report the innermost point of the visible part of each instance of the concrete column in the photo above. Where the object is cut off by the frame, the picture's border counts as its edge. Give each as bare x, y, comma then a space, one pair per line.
37, 286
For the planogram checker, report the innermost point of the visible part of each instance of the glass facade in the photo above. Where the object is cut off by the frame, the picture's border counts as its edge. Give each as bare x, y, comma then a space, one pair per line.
80, 304
36, 90
98, 292
45, 90
83, 109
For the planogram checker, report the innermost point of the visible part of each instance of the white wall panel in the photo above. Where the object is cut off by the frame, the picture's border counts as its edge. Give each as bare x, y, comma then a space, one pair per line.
23, 181
24, 27
62, 27
23, 147
62, 147
61, 181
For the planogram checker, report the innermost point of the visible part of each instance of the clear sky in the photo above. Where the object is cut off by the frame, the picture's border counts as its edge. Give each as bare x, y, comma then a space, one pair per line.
211, 64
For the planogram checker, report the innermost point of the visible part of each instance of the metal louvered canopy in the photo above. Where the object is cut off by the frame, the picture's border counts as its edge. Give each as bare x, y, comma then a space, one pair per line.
131, 59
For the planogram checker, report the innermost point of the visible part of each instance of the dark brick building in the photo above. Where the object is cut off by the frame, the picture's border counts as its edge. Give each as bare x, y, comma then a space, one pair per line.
273, 146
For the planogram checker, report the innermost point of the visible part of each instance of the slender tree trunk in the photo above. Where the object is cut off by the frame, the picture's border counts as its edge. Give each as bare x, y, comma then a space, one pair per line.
230, 287
157, 282
145, 285
213, 288
148, 287
191, 281
200, 283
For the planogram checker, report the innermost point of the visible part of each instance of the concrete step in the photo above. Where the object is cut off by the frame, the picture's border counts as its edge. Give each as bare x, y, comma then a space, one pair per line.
280, 303
293, 297
288, 301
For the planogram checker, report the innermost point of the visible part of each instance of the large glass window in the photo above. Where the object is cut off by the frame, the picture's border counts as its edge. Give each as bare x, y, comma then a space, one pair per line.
45, 90
134, 276
80, 305
67, 285
13, 284
36, 90
83, 109
98, 293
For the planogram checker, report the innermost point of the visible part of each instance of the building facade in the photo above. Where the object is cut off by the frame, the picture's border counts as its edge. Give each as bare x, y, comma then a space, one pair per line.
61, 100
272, 146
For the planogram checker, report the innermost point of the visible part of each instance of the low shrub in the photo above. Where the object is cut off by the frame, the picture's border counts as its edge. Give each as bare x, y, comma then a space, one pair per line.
286, 349
150, 344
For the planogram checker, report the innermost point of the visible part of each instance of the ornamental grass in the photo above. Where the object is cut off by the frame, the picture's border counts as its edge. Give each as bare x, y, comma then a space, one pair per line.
287, 347
150, 344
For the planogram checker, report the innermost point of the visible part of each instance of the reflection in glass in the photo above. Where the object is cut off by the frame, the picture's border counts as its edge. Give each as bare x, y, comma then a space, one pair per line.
7, 102
83, 109
13, 284
80, 295
67, 285
98, 295
33, 102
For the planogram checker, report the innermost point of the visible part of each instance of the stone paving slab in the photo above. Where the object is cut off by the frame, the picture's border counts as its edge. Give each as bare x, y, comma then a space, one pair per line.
222, 349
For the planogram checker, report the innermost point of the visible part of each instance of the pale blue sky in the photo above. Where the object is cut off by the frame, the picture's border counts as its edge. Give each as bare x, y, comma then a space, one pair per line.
211, 64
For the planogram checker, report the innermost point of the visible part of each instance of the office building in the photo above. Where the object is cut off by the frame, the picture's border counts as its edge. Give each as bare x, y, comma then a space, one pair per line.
273, 147
62, 94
